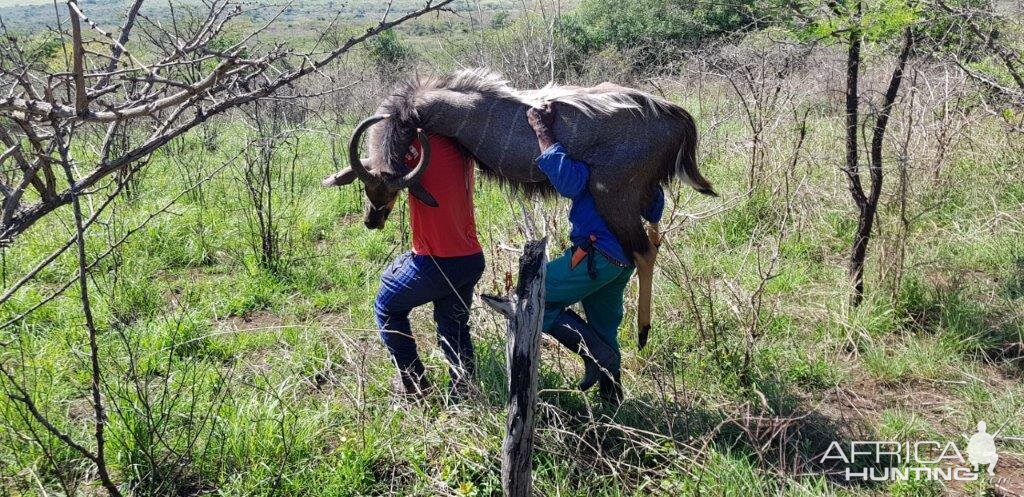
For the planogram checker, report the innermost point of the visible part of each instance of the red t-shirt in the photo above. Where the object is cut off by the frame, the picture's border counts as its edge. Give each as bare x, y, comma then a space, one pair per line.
448, 230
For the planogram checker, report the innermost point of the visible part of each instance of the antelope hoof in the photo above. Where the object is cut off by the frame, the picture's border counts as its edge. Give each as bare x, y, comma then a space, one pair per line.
641, 338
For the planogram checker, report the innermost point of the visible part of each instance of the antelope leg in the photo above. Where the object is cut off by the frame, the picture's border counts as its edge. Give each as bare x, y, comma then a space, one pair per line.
645, 273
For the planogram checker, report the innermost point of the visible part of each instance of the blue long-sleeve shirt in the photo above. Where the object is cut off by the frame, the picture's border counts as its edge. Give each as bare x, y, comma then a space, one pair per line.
569, 177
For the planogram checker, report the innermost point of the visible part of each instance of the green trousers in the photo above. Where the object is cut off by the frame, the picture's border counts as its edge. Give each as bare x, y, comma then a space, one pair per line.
602, 297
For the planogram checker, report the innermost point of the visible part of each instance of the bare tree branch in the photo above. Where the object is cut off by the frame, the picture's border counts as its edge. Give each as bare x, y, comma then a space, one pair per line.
178, 91
78, 55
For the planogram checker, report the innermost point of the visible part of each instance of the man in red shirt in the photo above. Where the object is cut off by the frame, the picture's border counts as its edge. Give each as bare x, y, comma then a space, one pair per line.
443, 268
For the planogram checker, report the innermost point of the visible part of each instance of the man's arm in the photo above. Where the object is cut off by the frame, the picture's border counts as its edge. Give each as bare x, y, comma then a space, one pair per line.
568, 176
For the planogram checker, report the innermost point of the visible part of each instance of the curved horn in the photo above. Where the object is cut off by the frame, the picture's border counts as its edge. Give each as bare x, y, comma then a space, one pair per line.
353, 149
414, 175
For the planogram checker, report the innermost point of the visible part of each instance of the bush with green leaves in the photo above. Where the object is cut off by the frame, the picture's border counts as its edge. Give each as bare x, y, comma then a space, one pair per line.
387, 51
648, 27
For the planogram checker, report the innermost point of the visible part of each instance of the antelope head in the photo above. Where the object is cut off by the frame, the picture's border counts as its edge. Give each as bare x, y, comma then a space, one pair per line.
380, 186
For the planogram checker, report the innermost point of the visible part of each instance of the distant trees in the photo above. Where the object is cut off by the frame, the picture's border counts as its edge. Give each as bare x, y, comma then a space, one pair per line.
647, 27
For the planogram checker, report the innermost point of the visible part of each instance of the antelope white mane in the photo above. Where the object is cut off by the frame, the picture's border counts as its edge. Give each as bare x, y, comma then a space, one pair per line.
611, 100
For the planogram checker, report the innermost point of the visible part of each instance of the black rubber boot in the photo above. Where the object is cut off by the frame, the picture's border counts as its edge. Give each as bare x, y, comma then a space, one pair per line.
610, 389
412, 383
599, 358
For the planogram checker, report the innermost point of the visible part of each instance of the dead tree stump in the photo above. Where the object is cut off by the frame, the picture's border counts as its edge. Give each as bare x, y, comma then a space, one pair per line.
525, 311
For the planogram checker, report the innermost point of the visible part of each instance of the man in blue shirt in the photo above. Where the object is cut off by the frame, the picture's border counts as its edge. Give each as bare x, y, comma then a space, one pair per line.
593, 272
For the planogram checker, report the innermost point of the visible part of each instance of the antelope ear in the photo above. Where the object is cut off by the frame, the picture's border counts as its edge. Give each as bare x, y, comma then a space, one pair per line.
340, 178
417, 190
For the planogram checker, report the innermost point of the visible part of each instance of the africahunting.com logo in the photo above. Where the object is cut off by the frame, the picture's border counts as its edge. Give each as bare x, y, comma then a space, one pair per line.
922, 460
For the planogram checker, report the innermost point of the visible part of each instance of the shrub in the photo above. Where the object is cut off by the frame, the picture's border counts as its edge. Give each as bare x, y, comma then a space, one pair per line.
650, 26
387, 50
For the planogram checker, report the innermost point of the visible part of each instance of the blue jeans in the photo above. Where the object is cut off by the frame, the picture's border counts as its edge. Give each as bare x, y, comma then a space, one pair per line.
413, 280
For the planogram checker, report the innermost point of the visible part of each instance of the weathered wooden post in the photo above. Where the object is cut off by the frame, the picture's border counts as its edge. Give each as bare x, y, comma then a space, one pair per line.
525, 312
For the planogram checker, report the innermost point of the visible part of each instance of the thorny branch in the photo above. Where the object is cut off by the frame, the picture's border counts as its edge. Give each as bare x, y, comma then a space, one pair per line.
187, 80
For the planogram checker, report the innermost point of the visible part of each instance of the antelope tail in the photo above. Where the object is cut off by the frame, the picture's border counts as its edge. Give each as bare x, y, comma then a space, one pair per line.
645, 273
686, 160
